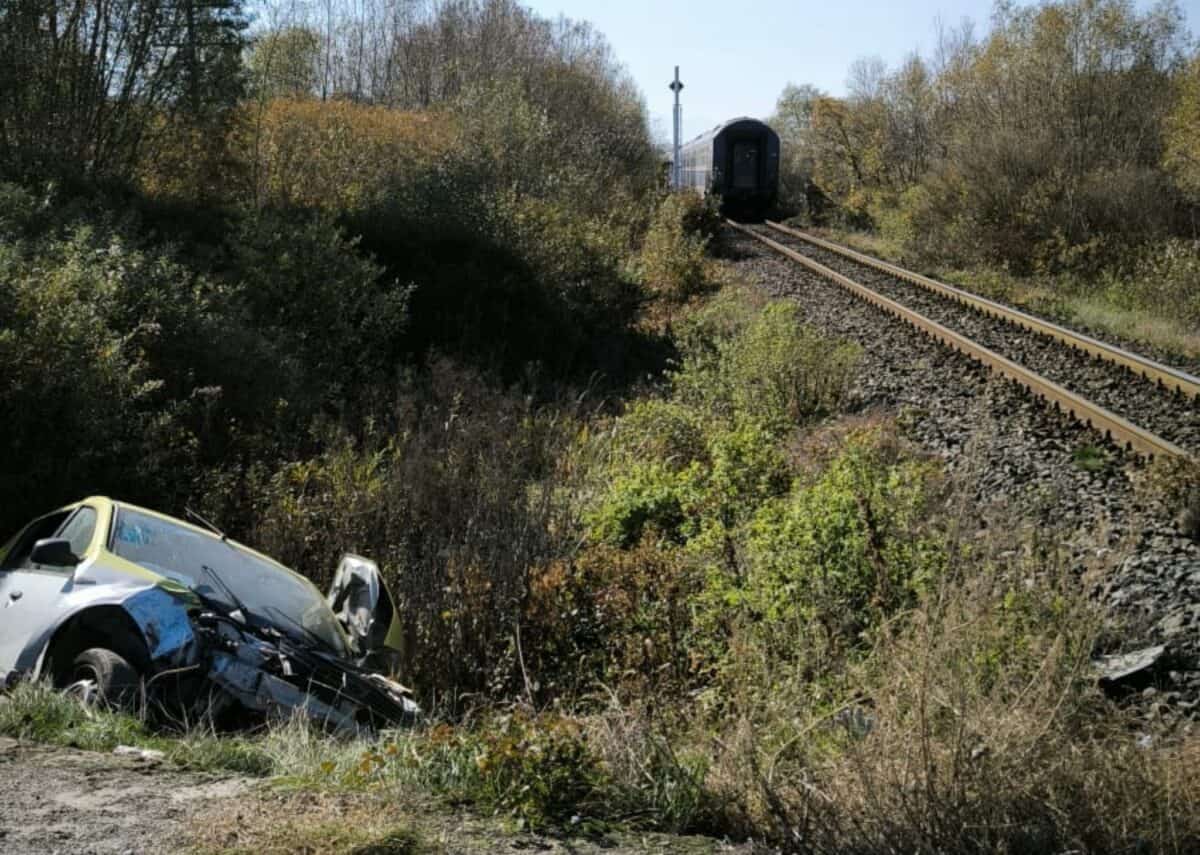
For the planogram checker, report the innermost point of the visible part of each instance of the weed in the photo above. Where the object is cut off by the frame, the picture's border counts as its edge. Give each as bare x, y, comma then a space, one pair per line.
1091, 458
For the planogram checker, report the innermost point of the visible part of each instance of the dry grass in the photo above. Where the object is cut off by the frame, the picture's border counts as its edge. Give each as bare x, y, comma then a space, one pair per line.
1163, 332
397, 823
285, 824
977, 729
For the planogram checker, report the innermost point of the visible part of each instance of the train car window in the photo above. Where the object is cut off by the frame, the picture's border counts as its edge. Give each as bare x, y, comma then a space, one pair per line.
745, 165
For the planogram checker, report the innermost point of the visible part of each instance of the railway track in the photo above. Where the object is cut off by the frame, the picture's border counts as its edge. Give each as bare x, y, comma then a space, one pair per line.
1102, 386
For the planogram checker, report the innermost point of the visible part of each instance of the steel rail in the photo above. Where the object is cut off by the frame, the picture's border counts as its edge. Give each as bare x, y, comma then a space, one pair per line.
1111, 425
1157, 372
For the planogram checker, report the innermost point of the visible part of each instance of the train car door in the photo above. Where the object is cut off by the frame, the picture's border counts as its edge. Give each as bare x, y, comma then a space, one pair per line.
745, 165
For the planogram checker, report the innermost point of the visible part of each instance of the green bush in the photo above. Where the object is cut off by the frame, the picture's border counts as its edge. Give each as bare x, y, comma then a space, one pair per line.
333, 323
18, 211
741, 467
154, 363
649, 495
746, 468
769, 367
86, 323
663, 430
686, 492
846, 551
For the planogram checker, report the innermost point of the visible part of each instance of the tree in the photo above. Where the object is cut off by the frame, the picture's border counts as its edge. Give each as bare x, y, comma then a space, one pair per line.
1040, 146
793, 121
792, 118
86, 84
1183, 131
911, 103
285, 63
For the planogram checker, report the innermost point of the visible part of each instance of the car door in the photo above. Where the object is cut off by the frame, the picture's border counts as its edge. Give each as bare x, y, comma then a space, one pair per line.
364, 606
29, 591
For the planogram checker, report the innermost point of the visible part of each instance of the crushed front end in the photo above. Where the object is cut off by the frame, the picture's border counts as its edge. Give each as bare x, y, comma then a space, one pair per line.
266, 673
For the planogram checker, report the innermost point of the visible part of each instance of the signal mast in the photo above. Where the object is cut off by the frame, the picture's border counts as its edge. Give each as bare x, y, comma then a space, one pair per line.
676, 166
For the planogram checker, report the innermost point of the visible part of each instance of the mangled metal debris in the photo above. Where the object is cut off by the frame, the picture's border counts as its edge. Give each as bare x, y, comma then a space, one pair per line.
124, 605
1129, 672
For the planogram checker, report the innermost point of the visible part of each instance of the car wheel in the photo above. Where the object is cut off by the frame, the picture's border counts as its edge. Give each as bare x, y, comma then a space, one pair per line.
100, 676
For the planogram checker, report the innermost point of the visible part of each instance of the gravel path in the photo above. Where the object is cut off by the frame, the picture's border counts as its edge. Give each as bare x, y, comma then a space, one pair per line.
1171, 416
1015, 454
60, 800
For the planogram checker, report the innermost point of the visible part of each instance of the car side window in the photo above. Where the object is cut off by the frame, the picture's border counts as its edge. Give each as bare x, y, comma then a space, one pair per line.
78, 529
18, 556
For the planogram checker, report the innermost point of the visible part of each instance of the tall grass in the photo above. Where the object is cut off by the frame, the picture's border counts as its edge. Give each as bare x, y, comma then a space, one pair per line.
34, 711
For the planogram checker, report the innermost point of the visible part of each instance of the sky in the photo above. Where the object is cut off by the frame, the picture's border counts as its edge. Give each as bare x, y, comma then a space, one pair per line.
735, 56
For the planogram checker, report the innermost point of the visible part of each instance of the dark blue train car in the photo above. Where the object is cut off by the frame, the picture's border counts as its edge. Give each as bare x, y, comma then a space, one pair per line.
737, 161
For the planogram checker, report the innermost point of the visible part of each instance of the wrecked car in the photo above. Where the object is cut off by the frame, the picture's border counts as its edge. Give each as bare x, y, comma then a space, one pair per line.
124, 605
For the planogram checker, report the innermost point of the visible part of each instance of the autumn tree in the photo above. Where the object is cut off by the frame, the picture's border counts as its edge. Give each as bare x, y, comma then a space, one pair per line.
793, 121
1039, 146
1183, 132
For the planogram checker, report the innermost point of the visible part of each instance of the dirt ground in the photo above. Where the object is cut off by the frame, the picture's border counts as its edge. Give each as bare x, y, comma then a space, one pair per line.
276, 822
62, 800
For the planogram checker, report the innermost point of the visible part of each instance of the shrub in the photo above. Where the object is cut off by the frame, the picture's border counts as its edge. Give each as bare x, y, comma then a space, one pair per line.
672, 260
649, 495
333, 323
88, 327
1165, 281
739, 467
845, 552
663, 430
628, 620
456, 496
338, 156
18, 211
539, 769
769, 367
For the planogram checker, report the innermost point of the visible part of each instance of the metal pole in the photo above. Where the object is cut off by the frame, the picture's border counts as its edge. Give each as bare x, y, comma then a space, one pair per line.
676, 166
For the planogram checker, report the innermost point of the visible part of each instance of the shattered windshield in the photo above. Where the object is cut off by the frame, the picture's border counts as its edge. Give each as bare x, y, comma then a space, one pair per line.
191, 557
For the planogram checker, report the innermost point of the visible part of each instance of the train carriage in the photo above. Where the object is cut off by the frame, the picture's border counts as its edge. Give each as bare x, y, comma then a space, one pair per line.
737, 161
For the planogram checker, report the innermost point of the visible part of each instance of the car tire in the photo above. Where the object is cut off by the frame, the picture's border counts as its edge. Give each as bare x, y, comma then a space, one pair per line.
101, 676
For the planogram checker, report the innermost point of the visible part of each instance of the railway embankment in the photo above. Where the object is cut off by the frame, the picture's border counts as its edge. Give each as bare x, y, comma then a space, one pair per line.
1023, 460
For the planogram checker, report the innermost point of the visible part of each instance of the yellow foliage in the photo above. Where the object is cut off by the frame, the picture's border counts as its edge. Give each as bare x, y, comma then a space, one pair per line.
337, 155
191, 162
1183, 131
